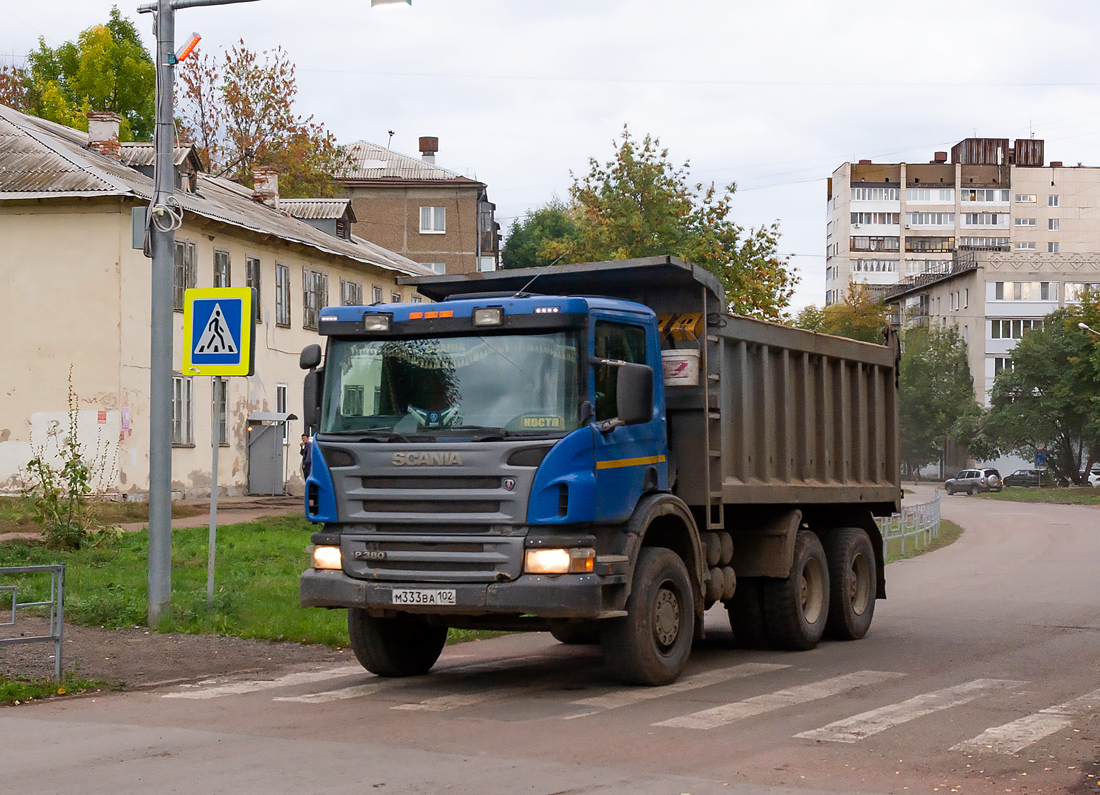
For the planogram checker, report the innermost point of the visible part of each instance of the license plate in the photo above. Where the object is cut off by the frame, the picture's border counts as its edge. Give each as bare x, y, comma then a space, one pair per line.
421, 596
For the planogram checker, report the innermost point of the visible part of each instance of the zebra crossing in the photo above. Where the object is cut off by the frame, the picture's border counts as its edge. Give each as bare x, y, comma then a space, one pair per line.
473, 689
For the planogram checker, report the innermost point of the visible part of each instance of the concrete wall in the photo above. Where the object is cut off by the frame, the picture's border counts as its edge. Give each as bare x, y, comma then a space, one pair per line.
74, 293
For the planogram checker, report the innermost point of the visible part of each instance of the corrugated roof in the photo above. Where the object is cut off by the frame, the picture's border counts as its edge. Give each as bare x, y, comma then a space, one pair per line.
371, 161
317, 209
141, 153
41, 159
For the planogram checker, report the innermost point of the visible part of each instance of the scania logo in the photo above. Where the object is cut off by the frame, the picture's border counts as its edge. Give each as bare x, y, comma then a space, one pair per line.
427, 459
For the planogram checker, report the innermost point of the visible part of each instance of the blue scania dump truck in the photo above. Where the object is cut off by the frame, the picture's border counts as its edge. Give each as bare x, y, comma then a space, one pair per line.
599, 451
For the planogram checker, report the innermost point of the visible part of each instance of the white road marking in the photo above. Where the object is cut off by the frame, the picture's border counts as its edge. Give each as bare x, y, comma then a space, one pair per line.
1013, 737
635, 695
340, 694
780, 699
251, 686
856, 728
456, 700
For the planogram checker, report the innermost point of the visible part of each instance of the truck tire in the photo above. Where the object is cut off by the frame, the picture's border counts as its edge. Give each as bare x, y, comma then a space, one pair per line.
576, 635
746, 613
401, 646
853, 582
797, 606
651, 644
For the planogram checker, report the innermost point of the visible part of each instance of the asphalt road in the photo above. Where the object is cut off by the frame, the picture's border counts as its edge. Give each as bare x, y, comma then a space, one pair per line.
980, 674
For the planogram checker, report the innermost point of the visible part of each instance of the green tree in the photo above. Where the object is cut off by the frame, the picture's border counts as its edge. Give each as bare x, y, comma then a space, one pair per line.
935, 390
552, 222
106, 68
640, 205
239, 109
1049, 394
860, 316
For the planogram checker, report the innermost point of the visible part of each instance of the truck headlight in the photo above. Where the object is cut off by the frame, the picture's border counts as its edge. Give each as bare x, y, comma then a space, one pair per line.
560, 561
327, 558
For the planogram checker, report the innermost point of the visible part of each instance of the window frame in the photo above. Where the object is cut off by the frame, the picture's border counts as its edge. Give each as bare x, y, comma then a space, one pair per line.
252, 278
223, 269
314, 297
183, 410
282, 295
434, 222
219, 408
184, 271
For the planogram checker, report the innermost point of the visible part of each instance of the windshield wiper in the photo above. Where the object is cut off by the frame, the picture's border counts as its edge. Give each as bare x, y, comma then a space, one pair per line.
382, 436
487, 432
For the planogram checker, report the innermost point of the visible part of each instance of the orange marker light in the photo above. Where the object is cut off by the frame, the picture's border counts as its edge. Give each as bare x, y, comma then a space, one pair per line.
188, 48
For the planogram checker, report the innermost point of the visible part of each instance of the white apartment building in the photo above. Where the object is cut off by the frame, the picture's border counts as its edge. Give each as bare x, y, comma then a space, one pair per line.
893, 222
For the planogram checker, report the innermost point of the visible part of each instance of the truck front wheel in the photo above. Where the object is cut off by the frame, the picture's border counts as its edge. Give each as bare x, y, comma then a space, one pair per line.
797, 607
651, 644
853, 579
401, 646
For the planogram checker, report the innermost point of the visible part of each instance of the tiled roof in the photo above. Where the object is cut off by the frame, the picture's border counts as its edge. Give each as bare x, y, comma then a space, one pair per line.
317, 209
40, 159
371, 161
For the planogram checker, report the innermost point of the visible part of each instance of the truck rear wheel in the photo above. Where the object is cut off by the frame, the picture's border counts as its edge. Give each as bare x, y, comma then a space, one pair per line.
797, 607
651, 644
746, 612
401, 646
853, 580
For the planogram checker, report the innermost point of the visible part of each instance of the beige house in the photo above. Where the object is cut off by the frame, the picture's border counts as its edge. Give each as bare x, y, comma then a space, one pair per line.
75, 294
436, 217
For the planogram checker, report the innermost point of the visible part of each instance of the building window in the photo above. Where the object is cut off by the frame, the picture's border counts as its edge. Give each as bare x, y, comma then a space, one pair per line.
1025, 291
220, 407
862, 243
860, 194
395, 298
351, 293
941, 195
183, 433
282, 296
1052, 248
930, 219
1025, 198
933, 244
1075, 291
1052, 200
376, 295
1025, 222
875, 218
1013, 329
966, 298
221, 269
874, 266
252, 277
999, 243
433, 220
1001, 363
1025, 245
417, 299
1052, 224
985, 219
280, 406
985, 195
438, 267
343, 229
184, 272
314, 296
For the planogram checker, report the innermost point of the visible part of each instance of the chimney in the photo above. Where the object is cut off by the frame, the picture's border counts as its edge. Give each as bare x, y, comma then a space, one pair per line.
103, 133
865, 162
941, 157
428, 147
1055, 163
265, 185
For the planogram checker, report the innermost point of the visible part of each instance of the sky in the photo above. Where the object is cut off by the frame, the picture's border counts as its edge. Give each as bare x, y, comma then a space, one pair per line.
772, 96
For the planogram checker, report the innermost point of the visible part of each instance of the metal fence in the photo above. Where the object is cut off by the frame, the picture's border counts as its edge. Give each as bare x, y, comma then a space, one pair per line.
921, 523
56, 604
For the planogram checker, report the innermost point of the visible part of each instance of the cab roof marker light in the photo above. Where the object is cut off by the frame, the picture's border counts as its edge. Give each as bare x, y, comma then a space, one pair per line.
547, 310
377, 322
489, 316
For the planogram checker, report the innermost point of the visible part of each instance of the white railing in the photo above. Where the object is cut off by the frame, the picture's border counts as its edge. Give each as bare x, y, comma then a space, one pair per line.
921, 523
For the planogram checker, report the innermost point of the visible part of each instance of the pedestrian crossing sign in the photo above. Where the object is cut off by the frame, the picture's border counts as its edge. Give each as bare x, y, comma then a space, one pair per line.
217, 331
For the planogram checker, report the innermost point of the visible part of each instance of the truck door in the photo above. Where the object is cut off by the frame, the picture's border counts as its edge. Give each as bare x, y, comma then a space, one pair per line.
629, 459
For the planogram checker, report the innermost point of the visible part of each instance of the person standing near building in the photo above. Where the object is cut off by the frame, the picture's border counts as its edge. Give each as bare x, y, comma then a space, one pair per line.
307, 456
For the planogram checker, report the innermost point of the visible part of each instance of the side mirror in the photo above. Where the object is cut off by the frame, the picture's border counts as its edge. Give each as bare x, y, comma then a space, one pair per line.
311, 357
311, 400
634, 394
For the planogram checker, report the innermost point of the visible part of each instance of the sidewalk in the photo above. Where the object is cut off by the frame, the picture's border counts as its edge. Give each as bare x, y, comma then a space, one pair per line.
231, 510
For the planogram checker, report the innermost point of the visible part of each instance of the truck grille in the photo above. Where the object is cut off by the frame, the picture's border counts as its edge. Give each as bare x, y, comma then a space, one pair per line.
429, 559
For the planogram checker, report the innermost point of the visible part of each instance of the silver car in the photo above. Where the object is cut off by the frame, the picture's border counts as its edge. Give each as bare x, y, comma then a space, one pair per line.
971, 481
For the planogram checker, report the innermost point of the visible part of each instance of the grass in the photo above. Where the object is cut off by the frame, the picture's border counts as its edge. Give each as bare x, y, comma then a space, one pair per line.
1074, 495
16, 515
949, 533
22, 689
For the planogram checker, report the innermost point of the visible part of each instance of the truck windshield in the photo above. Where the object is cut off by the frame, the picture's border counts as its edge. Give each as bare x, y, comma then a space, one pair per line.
481, 387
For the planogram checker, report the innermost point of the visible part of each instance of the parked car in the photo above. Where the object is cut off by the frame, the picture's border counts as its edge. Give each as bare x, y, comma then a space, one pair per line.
1094, 478
1026, 478
971, 481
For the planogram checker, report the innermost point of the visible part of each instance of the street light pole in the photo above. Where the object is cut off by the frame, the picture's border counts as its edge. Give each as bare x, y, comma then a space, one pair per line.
163, 219
1085, 327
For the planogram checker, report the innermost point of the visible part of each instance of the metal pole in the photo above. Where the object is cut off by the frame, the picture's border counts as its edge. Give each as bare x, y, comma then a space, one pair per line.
217, 388
162, 244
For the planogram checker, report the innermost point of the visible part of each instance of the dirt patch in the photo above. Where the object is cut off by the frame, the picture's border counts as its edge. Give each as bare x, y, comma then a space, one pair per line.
138, 658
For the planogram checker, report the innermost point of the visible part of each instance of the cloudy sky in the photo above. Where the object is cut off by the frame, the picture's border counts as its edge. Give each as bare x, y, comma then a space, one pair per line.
770, 95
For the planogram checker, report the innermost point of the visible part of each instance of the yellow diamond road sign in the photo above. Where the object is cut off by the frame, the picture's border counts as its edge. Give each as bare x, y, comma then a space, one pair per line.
217, 331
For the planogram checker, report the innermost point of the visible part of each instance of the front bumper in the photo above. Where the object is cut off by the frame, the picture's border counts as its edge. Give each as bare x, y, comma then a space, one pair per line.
559, 596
